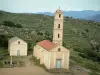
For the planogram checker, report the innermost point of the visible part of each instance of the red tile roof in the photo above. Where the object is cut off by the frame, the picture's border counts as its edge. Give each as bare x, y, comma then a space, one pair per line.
48, 45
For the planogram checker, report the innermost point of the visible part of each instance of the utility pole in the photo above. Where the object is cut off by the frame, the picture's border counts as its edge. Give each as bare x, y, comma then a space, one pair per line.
11, 61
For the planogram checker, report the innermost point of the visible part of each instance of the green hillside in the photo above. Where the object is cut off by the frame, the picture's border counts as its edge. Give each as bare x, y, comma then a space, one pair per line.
81, 36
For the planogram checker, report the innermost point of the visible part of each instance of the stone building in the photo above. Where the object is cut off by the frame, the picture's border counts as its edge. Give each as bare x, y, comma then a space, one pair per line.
53, 54
17, 47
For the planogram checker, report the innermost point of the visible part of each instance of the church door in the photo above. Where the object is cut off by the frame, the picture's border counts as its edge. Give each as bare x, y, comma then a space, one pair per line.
58, 63
18, 52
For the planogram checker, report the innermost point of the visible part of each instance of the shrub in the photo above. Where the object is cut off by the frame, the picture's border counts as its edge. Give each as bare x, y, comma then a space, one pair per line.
92, 55
19, 26
78, 50
4, 40
11, 24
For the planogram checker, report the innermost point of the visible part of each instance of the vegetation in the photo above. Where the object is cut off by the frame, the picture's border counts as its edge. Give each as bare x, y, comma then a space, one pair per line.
3, 55
80, 35
92, 55
4, 40
3, 51
11, 24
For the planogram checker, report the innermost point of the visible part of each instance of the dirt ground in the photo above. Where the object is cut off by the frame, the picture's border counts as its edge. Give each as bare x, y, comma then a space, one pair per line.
24, 71
31, 69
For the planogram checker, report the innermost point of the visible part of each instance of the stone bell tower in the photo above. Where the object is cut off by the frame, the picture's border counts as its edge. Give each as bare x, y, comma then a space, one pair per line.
58, 27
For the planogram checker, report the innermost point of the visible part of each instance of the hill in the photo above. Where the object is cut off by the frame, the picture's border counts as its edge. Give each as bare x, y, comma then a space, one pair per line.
85, 14
94, 17
82, 37
75, 14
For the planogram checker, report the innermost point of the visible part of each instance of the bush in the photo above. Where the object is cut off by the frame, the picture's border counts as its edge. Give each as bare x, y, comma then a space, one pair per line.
11, 24
92, 55
37, 61
19, 26
31, 45
94, 73
4, 40
86, 30
78, 50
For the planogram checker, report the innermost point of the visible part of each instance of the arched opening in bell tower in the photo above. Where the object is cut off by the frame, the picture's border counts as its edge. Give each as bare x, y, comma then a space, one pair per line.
59, 15
58, 35
58, 25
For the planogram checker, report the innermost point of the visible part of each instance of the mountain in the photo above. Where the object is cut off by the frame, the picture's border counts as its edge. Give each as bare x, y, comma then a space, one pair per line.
81, 37
85, 14
46, 13
94, 18
81, 14
77, 14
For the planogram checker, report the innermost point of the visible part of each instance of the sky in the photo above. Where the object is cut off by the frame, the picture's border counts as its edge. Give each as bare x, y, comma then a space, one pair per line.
33, 6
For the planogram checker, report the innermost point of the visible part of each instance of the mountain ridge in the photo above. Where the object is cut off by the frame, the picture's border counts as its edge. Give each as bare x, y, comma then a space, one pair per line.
75, 14
94, 18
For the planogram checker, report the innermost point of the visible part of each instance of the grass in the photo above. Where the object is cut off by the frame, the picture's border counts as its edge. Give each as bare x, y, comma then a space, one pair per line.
19, 60
1, 64
4, 54
94, 73
3, 51
36, 61
6, 57
89, 64
21, 63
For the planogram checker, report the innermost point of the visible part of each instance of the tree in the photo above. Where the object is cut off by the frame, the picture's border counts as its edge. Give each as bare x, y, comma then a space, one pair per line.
95, 45
9, 23
4, 40
19, 26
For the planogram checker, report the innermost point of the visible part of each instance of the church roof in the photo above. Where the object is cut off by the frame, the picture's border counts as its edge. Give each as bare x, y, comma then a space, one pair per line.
13, 39
48, 45
59, 11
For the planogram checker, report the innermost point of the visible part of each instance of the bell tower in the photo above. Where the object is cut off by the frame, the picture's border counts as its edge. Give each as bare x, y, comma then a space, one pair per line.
58, 27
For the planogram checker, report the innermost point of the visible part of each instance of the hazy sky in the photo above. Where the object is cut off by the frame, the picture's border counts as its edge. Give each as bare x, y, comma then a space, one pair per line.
48, 5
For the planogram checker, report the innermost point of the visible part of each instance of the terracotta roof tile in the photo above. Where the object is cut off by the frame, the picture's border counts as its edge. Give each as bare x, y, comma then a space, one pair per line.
48, 45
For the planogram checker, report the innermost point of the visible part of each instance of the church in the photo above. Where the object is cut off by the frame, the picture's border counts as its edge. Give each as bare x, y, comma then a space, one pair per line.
17, 47
53, 54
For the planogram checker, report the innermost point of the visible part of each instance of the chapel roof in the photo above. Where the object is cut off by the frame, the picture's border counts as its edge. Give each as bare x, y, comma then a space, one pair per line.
59, 11
46, 44
13, 39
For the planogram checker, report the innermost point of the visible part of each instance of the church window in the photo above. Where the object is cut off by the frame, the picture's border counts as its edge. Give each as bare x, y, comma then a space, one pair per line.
59, 49
58, 25
58, 35
59, 15
18, 42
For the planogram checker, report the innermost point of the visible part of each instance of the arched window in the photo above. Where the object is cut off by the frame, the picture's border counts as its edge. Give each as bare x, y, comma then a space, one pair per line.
18, 42
59, 15
58, 25
59, 49
58, 35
